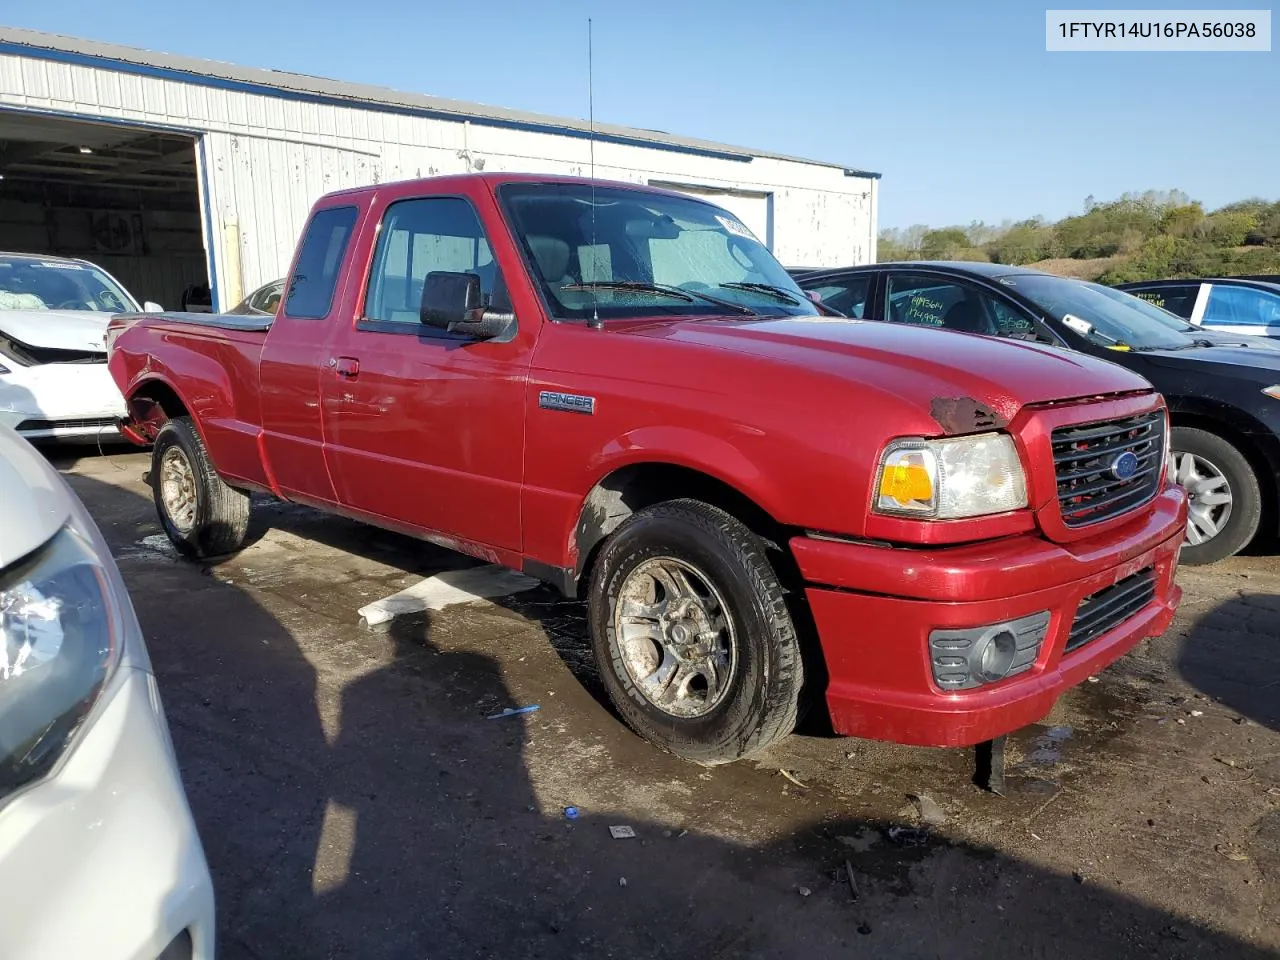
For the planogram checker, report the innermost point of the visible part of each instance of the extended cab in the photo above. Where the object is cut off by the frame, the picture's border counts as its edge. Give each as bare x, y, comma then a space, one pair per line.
618, 390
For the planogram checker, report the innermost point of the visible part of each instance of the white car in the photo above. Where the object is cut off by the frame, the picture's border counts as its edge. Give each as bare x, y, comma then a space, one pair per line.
54, 383
99, 855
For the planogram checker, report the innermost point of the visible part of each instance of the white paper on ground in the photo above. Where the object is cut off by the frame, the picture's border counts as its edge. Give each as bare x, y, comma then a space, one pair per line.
446, 589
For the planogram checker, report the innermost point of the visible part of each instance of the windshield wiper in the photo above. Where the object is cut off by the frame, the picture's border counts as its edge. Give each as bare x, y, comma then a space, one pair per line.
1114, 342
1173, 347
680, 293
786, 296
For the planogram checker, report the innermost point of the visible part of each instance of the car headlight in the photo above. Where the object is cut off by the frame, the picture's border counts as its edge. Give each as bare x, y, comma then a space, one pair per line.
59, 645
951, 478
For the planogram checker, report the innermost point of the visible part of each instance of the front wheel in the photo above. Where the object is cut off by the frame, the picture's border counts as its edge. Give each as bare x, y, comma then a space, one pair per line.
691, 630
202, 516
1225, 499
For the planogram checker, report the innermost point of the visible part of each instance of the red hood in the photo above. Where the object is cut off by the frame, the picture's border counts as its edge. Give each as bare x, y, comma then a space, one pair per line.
915, 363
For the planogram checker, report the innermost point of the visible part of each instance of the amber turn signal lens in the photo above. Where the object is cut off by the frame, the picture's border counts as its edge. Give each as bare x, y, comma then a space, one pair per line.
906, 481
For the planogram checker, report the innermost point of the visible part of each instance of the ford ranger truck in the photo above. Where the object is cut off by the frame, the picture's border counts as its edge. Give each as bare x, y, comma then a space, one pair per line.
619, 391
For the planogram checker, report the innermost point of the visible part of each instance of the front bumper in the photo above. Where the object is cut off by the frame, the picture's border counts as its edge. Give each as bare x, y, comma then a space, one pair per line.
61, 401
875, 606
102, 859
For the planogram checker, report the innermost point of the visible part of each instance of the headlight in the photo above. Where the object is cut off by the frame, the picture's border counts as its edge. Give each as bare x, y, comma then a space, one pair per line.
58, 647
952, 478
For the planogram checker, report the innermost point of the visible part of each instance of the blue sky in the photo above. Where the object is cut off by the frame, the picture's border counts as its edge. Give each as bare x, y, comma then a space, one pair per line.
959, 106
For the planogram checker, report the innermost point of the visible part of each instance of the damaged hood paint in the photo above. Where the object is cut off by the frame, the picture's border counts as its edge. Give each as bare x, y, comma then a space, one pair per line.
57, 329
961, 372
35, 500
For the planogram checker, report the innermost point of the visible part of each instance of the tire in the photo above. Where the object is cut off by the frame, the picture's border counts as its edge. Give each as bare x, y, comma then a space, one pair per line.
757, 685
206, 519
1200, 462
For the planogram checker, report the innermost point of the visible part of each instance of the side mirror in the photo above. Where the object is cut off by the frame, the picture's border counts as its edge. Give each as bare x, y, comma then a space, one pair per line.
452, 301
152, 307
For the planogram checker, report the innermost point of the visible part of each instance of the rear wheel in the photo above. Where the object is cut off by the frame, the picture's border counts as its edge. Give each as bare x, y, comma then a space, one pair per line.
691, 630
202, 516
1225, 499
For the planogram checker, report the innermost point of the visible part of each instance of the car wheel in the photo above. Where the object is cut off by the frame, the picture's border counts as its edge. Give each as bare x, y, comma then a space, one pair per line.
692, 633
1225, 499
201, 515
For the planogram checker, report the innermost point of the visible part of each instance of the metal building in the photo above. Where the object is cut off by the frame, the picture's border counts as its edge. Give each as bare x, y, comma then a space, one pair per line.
174, 173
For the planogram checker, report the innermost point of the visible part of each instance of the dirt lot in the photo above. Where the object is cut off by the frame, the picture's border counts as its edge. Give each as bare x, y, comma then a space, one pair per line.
354, 801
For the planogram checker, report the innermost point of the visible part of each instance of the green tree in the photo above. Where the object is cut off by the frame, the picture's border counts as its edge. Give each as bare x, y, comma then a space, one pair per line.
1148, 235
1230, 229
1182, 221
1025, 242
944, 244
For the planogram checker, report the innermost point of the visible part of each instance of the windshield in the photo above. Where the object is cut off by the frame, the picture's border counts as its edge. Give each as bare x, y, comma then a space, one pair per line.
1117, 321
28, 284
629, 253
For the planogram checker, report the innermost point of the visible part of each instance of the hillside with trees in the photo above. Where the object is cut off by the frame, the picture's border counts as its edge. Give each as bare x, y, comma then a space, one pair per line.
1145, 236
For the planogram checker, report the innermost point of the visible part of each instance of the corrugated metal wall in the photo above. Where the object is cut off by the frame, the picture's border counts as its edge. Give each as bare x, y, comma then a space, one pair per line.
266, 159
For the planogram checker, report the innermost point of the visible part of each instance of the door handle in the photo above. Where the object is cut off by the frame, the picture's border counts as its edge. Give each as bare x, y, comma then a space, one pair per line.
348, 367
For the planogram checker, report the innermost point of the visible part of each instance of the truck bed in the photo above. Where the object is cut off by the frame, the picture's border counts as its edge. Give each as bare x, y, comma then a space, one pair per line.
211, 361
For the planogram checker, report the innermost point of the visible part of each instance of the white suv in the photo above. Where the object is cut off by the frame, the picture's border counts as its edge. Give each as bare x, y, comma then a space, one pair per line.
99, 855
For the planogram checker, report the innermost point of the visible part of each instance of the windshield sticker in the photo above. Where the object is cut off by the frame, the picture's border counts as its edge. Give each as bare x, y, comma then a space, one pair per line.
734, 227
58, 266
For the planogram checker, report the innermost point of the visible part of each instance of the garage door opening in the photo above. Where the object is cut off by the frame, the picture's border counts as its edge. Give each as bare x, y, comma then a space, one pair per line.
125, 199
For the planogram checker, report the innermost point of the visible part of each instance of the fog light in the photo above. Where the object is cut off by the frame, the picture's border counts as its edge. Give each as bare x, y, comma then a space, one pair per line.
973, 656
995, 651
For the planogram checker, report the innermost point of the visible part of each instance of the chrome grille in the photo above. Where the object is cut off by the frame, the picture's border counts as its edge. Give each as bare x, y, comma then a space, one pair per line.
1085, 455
1110, 607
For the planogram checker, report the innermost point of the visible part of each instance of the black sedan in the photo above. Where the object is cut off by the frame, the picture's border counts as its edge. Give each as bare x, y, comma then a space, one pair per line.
1237, 305
1223, 391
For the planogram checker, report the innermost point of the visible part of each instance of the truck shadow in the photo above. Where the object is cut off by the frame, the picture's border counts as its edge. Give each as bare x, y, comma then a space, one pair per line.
353, 801
1232, 655
563, 621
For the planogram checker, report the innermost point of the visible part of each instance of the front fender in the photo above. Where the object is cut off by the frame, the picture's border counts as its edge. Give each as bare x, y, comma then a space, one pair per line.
677, 446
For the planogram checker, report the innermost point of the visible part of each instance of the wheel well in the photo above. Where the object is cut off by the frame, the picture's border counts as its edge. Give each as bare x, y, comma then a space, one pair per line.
632, 488
1264, 466
152, 404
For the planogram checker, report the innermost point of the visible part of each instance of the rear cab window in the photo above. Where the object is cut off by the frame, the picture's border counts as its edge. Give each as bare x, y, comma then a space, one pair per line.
309, 293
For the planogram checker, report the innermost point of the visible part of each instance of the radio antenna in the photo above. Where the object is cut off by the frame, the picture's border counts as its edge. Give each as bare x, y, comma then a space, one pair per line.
594, 323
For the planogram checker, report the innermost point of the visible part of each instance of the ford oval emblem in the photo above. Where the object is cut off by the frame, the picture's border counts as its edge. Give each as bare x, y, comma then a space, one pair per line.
1125, 466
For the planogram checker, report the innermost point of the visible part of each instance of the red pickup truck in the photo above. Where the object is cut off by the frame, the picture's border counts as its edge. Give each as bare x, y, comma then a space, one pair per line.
619, 391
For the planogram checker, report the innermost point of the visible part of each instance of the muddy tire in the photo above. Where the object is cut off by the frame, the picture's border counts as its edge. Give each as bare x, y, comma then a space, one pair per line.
202, 516
692, 634
1226, 499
